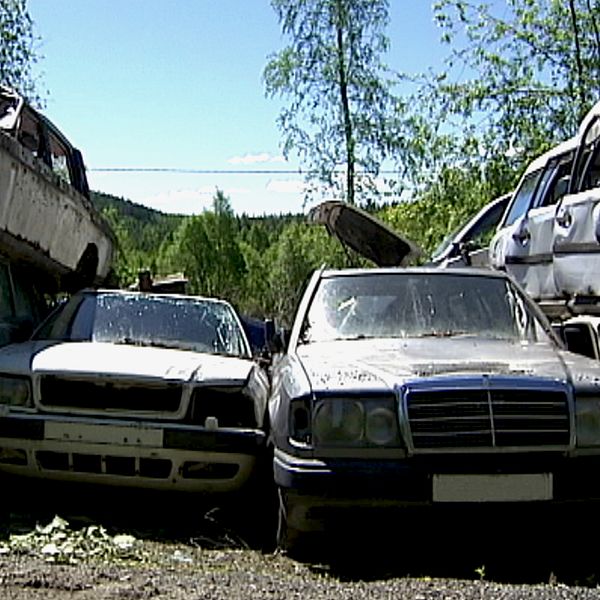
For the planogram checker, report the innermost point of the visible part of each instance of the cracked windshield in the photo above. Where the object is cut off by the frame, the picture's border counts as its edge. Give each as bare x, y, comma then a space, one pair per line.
199, 325
402, 305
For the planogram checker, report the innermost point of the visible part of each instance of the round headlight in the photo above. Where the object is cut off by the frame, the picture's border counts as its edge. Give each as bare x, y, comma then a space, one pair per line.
339, 421
381, 426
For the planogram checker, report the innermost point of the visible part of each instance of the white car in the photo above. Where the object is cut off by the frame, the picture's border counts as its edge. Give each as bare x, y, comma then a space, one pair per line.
134, 389
413, 386
549, 237
523, 243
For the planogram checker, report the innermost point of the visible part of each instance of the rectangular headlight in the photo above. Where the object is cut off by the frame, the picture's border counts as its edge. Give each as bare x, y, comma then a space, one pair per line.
15, 391
587, 422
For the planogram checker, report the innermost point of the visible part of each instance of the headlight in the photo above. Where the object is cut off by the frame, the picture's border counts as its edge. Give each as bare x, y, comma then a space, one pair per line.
338, 421
15, 391
361, 422
587, 415
381, 428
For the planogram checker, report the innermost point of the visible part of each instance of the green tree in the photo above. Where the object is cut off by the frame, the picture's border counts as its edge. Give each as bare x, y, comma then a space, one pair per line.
339, 100
17, 48
528, 73
443, 207
207, 248
129, 258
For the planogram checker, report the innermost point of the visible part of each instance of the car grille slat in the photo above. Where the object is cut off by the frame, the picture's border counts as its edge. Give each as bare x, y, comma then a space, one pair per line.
98, 395
486, 415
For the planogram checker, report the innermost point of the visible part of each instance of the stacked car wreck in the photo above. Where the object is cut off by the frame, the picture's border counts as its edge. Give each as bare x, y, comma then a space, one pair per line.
51, 237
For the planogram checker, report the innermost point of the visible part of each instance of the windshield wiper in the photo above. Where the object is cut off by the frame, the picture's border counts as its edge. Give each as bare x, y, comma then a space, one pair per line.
445, 333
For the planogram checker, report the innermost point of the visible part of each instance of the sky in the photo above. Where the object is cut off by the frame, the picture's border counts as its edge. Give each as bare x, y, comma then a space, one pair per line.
177, 84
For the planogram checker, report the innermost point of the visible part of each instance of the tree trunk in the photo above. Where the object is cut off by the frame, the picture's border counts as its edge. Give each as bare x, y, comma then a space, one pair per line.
343, 83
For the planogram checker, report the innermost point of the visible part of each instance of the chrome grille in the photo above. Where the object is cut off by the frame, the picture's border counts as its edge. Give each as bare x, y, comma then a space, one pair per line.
98, 395
487, 414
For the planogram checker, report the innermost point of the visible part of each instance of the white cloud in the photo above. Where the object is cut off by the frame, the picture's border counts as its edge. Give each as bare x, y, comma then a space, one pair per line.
286, 186
253, 159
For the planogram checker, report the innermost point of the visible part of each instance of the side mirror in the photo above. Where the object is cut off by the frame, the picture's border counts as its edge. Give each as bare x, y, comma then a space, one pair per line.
465, 249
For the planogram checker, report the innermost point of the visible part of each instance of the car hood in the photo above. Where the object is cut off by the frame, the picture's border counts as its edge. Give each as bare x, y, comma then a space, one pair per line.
364, 233
373, 364
98, 359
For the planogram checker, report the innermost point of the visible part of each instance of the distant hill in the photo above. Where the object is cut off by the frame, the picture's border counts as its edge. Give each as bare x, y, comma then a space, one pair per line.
148, 227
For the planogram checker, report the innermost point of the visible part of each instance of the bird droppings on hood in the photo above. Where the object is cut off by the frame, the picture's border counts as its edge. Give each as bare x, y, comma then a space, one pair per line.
343, 377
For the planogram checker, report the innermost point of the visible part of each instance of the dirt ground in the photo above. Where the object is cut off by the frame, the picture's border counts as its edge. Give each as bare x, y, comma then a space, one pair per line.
60, 542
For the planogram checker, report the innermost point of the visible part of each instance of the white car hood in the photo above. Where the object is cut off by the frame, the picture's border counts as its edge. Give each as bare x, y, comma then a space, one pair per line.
137, 362
372, 364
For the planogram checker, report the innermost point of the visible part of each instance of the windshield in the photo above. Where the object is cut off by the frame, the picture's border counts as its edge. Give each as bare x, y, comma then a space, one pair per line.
418, 304
186, 323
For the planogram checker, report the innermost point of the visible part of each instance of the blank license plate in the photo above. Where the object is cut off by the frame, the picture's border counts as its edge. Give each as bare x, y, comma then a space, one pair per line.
492, 488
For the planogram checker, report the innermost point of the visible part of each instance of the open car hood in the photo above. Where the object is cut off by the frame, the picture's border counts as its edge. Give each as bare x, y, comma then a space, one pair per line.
364, 233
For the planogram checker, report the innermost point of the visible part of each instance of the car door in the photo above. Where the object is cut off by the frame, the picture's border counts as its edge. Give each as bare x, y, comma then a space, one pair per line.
509, 248
576, 243
523, 246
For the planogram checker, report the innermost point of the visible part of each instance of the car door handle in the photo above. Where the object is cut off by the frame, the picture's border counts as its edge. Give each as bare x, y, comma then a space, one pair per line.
564, 218
522, 236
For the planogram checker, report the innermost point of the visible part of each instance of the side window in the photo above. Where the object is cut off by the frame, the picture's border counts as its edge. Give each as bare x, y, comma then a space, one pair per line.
30, 134
523, 197
586, 173
591, 176
59, 157
553, 183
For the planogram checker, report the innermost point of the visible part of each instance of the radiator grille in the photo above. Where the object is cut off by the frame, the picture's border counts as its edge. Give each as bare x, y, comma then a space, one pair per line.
97, 395
487, 417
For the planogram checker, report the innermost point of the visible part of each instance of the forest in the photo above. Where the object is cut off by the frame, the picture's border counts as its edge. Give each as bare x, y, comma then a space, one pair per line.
517, 78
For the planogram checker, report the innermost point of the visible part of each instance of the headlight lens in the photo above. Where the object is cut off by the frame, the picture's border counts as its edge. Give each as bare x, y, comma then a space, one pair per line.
355, 422
381, 428
587, 416
15, 391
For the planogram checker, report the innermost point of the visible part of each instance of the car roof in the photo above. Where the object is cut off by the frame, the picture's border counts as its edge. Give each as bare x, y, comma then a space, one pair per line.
592, 114
435, 271
562, 148
120, 292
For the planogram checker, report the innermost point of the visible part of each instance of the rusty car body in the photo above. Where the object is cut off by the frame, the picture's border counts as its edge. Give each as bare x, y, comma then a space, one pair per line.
46, 217
51, 237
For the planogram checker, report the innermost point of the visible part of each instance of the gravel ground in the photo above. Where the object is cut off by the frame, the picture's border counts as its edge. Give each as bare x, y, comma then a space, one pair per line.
137, 546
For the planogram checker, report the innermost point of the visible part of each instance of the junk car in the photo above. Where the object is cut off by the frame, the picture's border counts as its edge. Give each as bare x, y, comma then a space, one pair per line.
404, 386
134, 389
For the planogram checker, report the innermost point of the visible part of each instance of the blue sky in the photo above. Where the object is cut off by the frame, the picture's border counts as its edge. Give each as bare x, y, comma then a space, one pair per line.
177, 84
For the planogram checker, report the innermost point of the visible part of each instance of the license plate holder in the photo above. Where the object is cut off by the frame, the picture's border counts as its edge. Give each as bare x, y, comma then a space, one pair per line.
511, 487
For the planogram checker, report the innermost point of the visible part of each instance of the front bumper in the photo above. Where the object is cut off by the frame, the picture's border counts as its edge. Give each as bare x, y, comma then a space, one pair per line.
410, 480
129, 453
